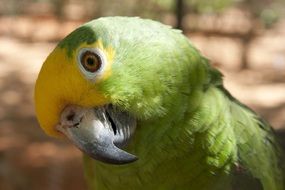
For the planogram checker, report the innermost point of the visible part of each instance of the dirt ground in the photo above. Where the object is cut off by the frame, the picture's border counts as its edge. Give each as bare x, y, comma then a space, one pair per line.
31, 160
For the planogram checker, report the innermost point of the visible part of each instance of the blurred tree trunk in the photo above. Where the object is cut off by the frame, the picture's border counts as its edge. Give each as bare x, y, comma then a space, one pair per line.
246, 41
179, 13
59, 8
99, 8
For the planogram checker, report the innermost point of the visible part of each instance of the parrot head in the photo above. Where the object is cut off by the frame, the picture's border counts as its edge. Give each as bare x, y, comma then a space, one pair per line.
105, 77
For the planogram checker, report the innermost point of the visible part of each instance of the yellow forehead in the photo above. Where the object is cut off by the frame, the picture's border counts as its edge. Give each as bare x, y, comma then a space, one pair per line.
60, 83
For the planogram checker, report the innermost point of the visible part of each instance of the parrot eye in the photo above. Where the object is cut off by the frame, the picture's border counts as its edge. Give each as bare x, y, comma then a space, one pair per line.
91, 61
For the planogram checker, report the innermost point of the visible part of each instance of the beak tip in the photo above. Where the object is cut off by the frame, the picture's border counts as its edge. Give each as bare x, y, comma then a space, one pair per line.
123, 158
129, 160
132, 158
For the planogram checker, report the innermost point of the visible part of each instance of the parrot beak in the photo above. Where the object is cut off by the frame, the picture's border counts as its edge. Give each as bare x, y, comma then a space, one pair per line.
99, 132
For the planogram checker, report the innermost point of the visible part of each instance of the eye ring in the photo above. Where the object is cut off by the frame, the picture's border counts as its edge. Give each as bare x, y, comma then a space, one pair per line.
91, 62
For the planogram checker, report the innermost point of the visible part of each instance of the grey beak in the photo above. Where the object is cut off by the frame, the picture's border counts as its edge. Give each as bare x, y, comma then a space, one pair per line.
99, 132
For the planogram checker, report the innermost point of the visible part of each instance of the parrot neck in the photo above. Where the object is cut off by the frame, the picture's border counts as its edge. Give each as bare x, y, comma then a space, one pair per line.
193, 140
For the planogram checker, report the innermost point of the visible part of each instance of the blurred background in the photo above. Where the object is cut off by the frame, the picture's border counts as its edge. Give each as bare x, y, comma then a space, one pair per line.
245, 39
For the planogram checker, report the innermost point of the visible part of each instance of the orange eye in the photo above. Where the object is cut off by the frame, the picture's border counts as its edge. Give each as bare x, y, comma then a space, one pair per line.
90, 61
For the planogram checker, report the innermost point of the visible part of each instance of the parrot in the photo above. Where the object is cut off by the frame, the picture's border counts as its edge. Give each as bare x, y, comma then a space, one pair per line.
149, 111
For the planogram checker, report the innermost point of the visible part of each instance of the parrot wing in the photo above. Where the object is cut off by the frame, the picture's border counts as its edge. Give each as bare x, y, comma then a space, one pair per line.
258, 151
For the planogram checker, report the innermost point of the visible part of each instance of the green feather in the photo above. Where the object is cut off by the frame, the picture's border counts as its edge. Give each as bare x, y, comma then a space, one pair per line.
191, 133
84, 34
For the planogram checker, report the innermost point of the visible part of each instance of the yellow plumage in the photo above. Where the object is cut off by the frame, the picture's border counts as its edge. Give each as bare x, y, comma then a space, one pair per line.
60, 77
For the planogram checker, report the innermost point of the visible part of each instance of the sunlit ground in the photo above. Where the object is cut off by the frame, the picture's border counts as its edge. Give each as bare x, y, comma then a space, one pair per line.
31, 160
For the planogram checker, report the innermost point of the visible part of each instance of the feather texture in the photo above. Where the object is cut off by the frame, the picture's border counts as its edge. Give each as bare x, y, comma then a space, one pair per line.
191, 133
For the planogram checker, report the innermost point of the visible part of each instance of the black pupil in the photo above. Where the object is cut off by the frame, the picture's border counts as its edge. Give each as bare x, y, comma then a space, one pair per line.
90, 61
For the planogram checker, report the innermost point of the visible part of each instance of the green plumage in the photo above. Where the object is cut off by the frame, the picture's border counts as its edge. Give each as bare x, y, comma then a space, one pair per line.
191, 133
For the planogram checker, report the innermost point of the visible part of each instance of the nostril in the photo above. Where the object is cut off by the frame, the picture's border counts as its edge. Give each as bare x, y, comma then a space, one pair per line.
70, 116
